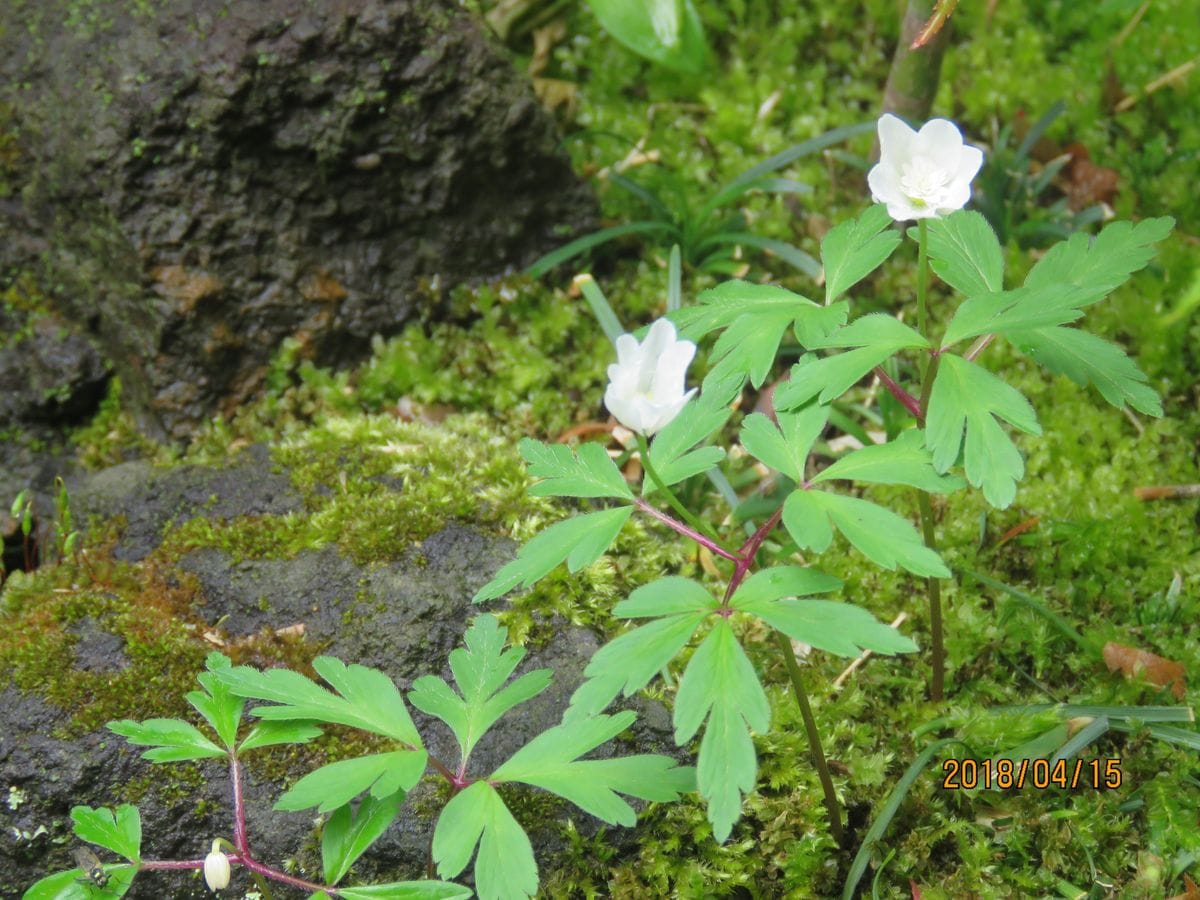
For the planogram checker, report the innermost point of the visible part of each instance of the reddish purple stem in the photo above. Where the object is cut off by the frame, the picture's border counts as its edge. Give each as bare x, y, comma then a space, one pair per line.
910, 402
748, 552
685, 530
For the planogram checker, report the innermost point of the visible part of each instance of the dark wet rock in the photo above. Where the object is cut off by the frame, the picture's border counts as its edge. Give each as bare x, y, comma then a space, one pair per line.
403, 617
148, 498
51, 374
200, 180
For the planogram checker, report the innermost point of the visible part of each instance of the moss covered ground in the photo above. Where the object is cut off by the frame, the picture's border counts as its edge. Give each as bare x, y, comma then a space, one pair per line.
441, 405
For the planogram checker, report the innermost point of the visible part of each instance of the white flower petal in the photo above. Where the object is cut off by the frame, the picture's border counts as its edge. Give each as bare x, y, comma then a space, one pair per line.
896, 140
940, 141
970, 161
628, 351
884, 183
671, 370
955, 197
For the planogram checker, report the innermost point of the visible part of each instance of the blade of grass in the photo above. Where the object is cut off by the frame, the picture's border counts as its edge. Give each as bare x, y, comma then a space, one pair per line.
792, 255
601, 309
1138, 713
1090, 732
675, 279
544, 264
890, 807
805, 148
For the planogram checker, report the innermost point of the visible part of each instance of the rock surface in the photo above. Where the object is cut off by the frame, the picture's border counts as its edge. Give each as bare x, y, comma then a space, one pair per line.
200, 180
403, 617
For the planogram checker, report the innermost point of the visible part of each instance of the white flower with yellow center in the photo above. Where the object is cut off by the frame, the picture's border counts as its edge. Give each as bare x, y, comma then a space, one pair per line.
922, 174
645, 385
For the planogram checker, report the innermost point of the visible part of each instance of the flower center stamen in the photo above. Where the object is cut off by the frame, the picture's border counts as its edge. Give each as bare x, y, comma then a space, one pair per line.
923, 181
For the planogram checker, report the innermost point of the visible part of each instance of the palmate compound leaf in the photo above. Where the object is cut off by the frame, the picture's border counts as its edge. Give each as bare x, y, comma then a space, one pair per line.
118, 830
755, 317
1006, 311
1087, 359
74, 885
965, 253
627, 663
480, 671
365, 698
590, 472
854, 249
784, 447
335, 785
968, 396
872, 339
903, 460
551, 761
878, 533
840, 628
721, 686
350, 832
1101, 264
170, 740
671, 451
579, 541
505, 868
221, 709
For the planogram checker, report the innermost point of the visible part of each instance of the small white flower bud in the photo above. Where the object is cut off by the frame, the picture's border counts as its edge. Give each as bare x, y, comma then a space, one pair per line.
645, 385
216, 868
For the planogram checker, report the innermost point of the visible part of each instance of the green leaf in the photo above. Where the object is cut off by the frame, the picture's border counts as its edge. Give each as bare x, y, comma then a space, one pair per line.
119, 831
665, 597
965, 253
480, 671
840, 628
1024, 307
669, 451
73, 885
590, 473
368, 698
853, 250
904, 460
720, 685
270, 734
668, 32
721, 306
966, 395
771, 584
336, 784
551, 761
406, 890
1087, 359
873, 338
579, 540
220, 709
786, 447
349, 833
1101, 264
879, 534
172, 740
628, 662
544, 264
505, 868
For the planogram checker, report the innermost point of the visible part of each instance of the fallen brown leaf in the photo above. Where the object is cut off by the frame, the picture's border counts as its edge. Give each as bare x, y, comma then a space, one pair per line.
1156, 669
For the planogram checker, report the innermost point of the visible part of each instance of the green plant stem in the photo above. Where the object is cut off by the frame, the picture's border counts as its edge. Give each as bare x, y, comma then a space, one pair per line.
673, 501
816, 753
923, 287
929, 368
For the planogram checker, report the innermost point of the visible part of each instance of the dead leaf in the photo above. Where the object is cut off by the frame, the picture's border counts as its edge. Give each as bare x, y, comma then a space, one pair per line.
1086, 183
1156, 669
1190, 890
1018, 529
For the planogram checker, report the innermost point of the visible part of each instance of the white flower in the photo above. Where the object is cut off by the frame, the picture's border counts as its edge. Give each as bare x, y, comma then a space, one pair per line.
216, 868
922, 174
645, 385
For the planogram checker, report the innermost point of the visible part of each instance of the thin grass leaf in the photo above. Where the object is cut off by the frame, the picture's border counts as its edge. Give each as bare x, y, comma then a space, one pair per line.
600, 307
1092, 731
544, 264
674, 279
879, 827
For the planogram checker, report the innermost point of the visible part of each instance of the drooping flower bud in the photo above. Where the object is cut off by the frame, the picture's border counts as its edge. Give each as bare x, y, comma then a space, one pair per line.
645, 385
922, 174
216, 868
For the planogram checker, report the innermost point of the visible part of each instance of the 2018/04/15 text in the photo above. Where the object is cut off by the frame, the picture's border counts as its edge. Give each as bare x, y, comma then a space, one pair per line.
1041, 774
